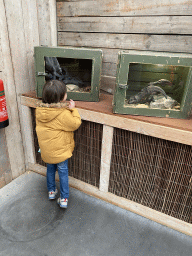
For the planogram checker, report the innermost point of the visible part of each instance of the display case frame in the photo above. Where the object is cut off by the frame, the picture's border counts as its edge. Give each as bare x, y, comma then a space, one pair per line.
95, 55
159, 59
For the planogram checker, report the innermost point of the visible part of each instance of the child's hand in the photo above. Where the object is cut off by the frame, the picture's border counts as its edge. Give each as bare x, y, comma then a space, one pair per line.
71, 104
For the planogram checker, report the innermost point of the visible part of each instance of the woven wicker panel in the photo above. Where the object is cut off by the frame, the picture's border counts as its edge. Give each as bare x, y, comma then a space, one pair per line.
85, 162
153, 172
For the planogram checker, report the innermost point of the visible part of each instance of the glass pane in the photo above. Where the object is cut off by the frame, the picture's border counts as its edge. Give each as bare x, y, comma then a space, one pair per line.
155, 86
75, 73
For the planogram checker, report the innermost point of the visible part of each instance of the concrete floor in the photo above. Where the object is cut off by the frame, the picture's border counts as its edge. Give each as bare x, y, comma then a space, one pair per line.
30, 225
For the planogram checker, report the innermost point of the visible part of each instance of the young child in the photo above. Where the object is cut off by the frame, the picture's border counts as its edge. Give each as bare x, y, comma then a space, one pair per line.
55, 123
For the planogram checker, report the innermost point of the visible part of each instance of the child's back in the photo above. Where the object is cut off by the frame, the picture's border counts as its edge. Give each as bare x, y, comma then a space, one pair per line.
55, 123
54, 127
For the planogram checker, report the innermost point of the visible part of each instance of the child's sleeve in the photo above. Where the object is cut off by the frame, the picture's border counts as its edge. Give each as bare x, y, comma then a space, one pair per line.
71, 120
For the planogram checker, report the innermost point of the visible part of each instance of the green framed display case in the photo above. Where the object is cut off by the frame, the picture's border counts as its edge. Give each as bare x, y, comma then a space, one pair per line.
153, 84
79, 68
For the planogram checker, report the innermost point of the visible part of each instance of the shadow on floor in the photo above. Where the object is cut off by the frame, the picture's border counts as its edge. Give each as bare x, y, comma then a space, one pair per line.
31, 225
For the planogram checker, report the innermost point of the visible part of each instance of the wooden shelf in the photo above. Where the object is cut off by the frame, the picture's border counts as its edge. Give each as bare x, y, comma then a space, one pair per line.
177, 130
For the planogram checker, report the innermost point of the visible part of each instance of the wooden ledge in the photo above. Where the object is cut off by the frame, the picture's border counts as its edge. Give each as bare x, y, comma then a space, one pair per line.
177, 130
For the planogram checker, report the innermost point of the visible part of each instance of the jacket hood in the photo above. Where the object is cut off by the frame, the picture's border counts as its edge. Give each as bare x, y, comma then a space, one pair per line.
47, 112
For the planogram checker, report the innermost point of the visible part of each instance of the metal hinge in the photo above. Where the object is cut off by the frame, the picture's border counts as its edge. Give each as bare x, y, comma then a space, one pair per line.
123, 86
41, 74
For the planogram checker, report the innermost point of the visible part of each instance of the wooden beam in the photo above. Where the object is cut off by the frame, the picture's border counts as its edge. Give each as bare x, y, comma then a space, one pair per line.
123, 8
144, 25
53, 22
126, 204
126, 123
13, 131
149, 129
165, 43
28, 134
106, 151
29, 102
21, 61
43, 15
31, 31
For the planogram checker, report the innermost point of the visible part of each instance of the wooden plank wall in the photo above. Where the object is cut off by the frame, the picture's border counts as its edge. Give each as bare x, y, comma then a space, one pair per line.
124, 24
24, 24
110, 25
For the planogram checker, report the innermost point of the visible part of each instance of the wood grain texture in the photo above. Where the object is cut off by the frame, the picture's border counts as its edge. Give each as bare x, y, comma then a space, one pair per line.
123, 8
53, 22
178, 130
20, 62
111, 44
165, 43
31, 33
106, 157
43, 15
14, 143
131, 25
146, 25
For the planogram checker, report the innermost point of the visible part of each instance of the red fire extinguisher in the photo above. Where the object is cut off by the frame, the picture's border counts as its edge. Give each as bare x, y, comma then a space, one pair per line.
4, 121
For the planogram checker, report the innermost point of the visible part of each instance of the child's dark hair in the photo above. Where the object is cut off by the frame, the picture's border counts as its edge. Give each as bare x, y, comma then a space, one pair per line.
53, 91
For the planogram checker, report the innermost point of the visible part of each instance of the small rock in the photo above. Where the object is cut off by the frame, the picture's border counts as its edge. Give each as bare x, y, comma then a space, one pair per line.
163, 103
72, 87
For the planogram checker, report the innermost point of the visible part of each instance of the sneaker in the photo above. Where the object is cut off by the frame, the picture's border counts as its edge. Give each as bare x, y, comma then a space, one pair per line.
52, 194
62, 202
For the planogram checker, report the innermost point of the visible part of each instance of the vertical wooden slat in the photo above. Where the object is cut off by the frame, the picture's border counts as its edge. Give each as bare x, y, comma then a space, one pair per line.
106, 157
19, 49
30, 25
43, 15
13, 131
28, 135
53, 22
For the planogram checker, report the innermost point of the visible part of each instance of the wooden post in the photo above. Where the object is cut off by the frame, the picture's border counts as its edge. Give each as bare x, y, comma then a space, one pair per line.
53, 22
13, 131
106, 157
43, 15
21, 60
30, 24
28, 135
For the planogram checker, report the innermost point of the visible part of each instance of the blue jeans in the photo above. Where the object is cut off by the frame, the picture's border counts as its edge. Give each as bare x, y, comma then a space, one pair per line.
63, 178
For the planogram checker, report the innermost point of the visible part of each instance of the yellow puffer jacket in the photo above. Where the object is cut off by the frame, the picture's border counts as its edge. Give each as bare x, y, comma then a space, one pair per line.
54, 127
